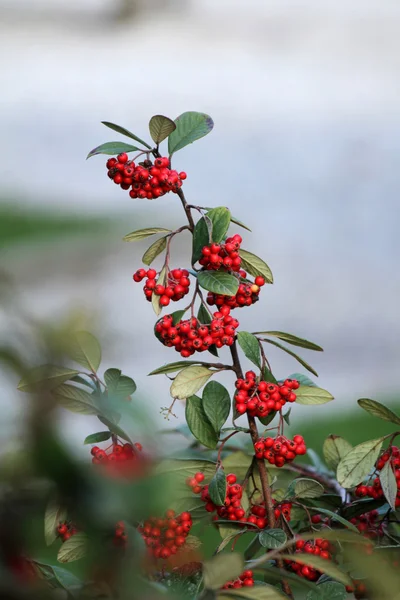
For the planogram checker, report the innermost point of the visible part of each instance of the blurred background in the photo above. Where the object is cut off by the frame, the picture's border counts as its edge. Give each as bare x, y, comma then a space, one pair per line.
304, 96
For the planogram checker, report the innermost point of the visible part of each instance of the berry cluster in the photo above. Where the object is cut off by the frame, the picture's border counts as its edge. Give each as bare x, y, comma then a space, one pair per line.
232, 508
367, 524
164, 536
145, 180
120, 537
120, 459
191, 336
318, 547
375, 490
222, 256
244, 580
177, 285
280, 450
258, 513
260, 398
246, 295
65, 530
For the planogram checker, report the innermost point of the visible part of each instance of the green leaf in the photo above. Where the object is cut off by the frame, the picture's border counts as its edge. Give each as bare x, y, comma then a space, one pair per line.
250, 346
112, 148
190, 126
334, 449
189, 381
268, 419
54, 515
198, 422
296, 356
201, 237
329, 590
377, 409
83, 348
126, 132
118, 384
203, 315
389, 484
286, 416
94, 438
237, 222
174, 366
216, 404
141, 234
334, 516
160, 127
291, 339
302, 379
218, 282
217, 488
312, 395
272, 538
73, 549
75, 400
114, 428
335, 535
155, 300
257, 592
222, 568
228, 535
45, 378
308, 488
321, 564
154, 250
357, 464
68, 581
221, 219
268, 376
254, 265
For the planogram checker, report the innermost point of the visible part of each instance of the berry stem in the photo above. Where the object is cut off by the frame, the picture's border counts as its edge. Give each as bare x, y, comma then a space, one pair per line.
186, 209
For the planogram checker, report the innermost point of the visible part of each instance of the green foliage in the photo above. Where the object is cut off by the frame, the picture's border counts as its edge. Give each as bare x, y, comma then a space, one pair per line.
125, 132
222, 568
190, 126
218, 282
141, 234
112, 148
160, 128
250, 346
254, 265
216, 404
217, 488
272, 538
198, 422
357, 463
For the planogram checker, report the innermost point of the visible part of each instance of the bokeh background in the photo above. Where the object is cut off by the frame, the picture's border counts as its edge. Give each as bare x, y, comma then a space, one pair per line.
305, 150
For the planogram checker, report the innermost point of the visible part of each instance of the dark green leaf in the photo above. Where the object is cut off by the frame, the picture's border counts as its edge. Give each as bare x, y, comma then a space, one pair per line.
250, 346
112, 148
175, 366
272, 538
213, 350
75, 400
334, 449
222, 568
118, 384
268, 376
68, 581
54, 515
124, 131
268, 419
95, 438
217, 488
237, 222
255, 266
160, 127
190, 126
286, 416
329, 590
198, 422
357, 463
154, 250
45, 378
73, 549
312, 395
296, 356
334, 516
379, 410
220, 218
389, 484
216, 404
291, 339
141, 234
177, 316
83, 348
218, 282
201, 237
203, 315
321, 564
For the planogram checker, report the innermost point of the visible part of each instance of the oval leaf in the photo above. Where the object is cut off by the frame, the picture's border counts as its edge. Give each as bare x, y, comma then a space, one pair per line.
154, 250
84, 349
389, 484
198, 423
292, 339
321, 564
45, 378
291, 353
357, 464
141, 234
189, 381
379, 410
201, 237
53, 516
334, 449
216, 404
160, 127
255, 266
250, 346
118, 384
95, 438
218, 282
237, 222
174, 366
73, 549
126, 132
221, 219
272, 538
75, 400
312, 395
190, 126
329, 590
222, 568
334, 516
112, 148
217, 488
308, 488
